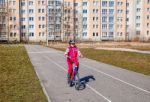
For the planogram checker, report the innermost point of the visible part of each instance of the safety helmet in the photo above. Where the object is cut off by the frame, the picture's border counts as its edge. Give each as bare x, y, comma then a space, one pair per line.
71, 42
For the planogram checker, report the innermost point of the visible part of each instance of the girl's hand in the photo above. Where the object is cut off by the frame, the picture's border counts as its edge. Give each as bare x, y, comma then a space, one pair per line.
67, 56
81, 56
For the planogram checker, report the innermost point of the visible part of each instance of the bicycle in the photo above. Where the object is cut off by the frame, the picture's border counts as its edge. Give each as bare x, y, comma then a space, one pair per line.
75, 79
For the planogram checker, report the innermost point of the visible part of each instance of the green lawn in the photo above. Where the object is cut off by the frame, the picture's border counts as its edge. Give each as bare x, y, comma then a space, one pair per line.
18, 80
128, 60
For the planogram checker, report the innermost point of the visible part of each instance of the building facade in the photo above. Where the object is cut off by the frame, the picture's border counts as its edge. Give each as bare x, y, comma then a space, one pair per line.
85, 20
3, 20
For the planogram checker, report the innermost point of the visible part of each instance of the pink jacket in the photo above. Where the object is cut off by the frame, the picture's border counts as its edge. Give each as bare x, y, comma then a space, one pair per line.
72, 52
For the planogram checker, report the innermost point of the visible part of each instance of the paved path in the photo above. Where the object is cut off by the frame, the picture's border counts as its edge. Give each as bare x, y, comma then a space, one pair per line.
112, 84
125, 49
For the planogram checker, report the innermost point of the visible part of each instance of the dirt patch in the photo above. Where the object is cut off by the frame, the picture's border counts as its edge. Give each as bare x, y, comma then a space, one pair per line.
130, 45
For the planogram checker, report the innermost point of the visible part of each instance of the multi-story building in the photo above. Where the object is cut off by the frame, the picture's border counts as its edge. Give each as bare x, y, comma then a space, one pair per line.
121, 20
3, 20
54, 19
14, 20
138, 20
94, 20
33, 20
108, 18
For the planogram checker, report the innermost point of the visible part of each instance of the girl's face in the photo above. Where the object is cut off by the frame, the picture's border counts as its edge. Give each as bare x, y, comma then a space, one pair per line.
72, 45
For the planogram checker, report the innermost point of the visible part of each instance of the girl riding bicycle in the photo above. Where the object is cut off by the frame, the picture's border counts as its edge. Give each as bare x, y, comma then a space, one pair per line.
72, 53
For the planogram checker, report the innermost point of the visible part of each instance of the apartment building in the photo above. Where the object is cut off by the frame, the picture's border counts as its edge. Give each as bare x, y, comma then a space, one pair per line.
14, 20
33, 20
54, 19
108, 19
92, 20
121, 19
3, 20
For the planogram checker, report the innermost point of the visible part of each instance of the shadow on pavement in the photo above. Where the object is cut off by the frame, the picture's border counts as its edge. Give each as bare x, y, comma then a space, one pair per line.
85, 80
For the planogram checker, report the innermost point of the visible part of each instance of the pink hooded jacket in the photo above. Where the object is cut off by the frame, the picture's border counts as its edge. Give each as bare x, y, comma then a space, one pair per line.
72, 52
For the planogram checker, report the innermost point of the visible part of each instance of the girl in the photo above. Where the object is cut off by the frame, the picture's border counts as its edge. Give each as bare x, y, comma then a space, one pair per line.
72, 53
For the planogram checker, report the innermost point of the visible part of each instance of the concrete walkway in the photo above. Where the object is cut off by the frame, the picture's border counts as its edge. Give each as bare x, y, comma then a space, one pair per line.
112, 84
125, 49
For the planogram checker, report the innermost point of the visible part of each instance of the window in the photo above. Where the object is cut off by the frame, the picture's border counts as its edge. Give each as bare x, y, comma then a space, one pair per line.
84, 26
84, 3
111, 3
148, 9
22, 19
147, 32
23, 27
84, 34
43, 18
22, 3
14, 26
75, 4
95, 10
111, 34
30, 11
42, 10
148, 17
43, 2
30, 3
120, 3
31, 19
97, 34
14, 34
14, 18
127, 19
127, 12
111, 11
96, 26
43, 34
137, 17
22, 11
138, 9
104, 3
147, 24
120, 11
93, 34
104, 11
104, 26
84, 11
148, 1
31, 34
138, 1
104, 34
111, 26
111, 19
39, 10
137, 24
93, 26
95, 3
31, 26
138, 32
104, 19
43, 26
10, 18
127, 4
11, 34
84, 18
39, 26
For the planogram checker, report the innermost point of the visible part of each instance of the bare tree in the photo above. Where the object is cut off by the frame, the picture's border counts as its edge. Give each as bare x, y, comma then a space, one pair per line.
67, 23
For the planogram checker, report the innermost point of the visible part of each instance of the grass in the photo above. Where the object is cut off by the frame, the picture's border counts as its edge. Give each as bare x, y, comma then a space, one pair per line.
18, 80
127, 60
